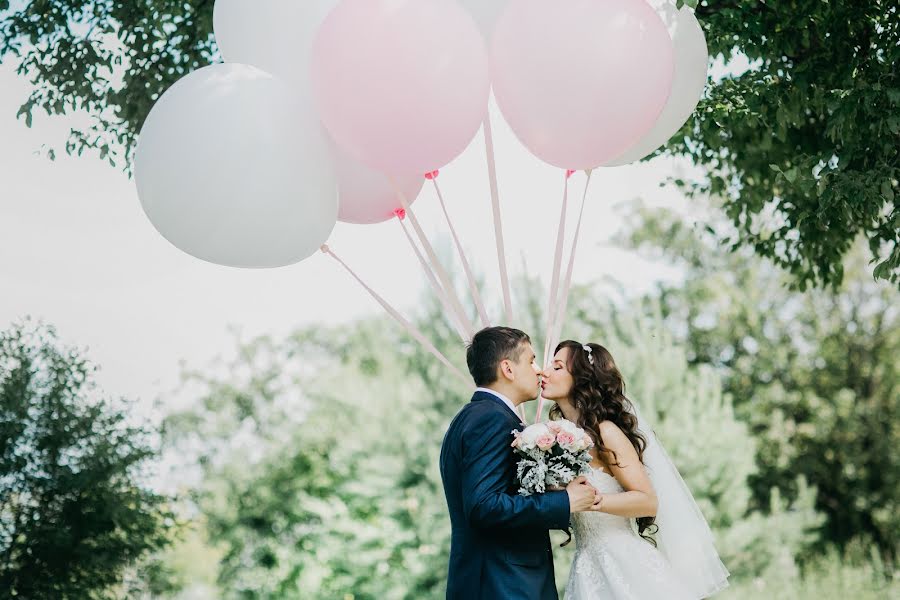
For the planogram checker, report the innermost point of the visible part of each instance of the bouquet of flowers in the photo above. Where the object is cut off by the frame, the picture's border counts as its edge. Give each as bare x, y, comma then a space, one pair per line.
552, 454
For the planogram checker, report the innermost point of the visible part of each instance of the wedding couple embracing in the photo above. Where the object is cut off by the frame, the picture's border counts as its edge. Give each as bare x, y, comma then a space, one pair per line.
500, 543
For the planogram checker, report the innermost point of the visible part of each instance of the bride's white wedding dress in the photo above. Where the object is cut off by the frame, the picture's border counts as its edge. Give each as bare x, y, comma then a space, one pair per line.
612, 562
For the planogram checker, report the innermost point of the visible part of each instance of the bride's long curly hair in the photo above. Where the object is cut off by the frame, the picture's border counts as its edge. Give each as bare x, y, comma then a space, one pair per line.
598, 394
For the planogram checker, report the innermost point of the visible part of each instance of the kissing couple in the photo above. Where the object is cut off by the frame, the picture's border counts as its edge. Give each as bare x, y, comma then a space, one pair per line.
638, 531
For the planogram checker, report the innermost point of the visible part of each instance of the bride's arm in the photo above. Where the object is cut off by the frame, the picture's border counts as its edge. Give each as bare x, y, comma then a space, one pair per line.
639, 498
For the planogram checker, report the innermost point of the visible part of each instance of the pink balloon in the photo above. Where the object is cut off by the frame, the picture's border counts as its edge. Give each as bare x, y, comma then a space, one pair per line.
367, 196
402, 85
581, 81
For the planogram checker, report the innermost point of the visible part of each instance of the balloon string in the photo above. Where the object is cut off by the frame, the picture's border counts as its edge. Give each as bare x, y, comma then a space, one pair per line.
435, 285
410, 328
436, 264
554, 284
473, 285
567, 282
498, 225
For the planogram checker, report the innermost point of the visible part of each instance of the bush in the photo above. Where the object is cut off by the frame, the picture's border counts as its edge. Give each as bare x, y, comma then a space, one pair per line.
73, 515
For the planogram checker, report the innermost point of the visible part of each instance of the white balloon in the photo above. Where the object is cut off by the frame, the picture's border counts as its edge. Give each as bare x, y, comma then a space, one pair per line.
274, 35
367, 196
691, 60
229, 171
485, 13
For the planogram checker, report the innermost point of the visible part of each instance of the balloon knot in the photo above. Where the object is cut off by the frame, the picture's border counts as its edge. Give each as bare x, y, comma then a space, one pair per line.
325, 249
400, 213
569, 173
432, 175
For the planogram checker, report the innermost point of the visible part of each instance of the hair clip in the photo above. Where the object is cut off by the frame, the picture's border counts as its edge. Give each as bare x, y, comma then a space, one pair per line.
589, 351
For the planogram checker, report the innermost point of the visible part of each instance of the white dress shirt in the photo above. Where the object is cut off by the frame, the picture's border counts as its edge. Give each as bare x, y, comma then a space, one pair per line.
506, 400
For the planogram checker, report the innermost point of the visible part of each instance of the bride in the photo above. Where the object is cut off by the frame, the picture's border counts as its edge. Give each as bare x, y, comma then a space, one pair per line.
636, 480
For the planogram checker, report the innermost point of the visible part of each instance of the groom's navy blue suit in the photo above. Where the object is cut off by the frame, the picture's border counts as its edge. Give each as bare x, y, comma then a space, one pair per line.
500, 543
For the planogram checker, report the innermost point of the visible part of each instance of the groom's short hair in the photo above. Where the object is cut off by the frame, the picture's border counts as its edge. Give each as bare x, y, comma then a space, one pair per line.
490, 346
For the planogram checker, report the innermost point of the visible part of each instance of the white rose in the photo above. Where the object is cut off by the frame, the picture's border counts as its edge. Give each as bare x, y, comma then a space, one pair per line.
531, 434
570, 427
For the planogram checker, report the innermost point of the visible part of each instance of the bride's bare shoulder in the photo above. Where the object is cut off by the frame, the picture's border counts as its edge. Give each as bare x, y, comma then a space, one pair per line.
609, 429
612, 435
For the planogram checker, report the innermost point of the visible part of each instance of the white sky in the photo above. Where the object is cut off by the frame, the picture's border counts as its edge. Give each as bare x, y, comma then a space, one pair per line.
77, 252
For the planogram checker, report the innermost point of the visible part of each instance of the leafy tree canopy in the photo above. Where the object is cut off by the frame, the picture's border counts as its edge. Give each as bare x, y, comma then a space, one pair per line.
804, 146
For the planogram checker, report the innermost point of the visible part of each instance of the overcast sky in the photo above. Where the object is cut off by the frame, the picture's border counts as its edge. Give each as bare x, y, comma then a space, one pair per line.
77, 251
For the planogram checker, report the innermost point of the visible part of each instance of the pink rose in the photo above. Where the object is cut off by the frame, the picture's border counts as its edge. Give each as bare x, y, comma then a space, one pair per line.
545, 442
587, 441
565, 438
554, 426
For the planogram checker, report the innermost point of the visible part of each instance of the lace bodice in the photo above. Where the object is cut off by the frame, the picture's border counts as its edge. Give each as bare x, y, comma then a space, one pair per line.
613, 561
599, 526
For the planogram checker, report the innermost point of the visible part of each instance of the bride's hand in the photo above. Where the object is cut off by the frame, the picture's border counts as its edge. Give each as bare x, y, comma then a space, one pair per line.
598, 502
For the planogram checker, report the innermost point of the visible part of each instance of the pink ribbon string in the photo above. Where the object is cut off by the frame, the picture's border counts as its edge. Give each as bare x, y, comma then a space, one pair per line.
435, 285
567, 282
470, 277
554, 284
439, 270
498, 225
410, 328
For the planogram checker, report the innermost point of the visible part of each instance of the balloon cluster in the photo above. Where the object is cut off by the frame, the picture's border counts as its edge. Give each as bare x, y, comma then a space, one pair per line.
328, 110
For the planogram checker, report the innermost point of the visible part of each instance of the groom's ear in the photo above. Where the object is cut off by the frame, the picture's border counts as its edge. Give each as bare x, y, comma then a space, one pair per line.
505, 369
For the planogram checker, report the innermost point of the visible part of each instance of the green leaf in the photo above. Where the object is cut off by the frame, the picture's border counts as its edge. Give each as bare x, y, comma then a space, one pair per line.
791, 174
893, 124
887, 191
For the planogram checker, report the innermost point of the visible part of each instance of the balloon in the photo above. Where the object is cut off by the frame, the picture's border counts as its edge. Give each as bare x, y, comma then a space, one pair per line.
274, 35
582, 80
368, 196
401, 85
228, 172
485, 13
691, 60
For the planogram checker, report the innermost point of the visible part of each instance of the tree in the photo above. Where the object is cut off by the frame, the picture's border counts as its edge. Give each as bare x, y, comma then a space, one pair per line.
319, 465
803, 145
808, 135
814, 374
113, 59
73, 513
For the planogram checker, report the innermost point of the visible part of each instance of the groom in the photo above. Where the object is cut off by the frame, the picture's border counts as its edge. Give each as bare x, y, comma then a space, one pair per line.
500, 544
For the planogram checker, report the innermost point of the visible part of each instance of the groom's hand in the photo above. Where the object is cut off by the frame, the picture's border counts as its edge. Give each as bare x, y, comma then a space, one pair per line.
582, 495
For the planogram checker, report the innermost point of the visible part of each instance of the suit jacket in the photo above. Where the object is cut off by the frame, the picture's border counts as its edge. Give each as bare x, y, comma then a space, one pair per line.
500, 542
